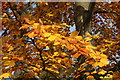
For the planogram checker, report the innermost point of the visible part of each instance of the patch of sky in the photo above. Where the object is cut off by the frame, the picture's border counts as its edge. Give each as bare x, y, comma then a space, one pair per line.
72, 28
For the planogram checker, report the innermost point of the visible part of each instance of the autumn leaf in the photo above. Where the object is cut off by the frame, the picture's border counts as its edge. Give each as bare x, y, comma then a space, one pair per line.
52, 38
5, 75
9, 63
26, 20
31, 35
65, 24
86, 73
5, 57
46, 34
74, 34
88, 39
102, 72
96, 36
56, 54
49, 14
24, 26
56, 43
36, 25
90, 77
76, 55
10, 48
88, 34
77, 76
17, 58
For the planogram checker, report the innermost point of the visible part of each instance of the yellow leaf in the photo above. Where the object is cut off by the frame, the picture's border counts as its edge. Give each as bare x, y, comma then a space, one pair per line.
47, 47
32, 22
5, 75
56, 54
54, 66
9, 63
56, 43
103, 62
64, 54
50, 69
94, 72
57, 35
31, 35
102, 72
35, 25
59, 60
78, 37
65, 24
88, 39
34, 68
101, 76
56, 71
46, 34
5, 57
96, 36
52, 38
49, 14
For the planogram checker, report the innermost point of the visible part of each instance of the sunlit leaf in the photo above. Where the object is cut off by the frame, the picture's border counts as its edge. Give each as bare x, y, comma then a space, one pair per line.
56, 43
9, 63
90, 77
102, 72
5, 75
36, 25
88, 39
31, 35
49, 14
52, 38
5, 57
46, 34
76, 55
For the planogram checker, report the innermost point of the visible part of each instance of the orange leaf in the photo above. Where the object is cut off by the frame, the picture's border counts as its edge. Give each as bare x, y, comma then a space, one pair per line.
19, 58
26, 20
76, 55
77, 76
24, 26
74, 34
31, 35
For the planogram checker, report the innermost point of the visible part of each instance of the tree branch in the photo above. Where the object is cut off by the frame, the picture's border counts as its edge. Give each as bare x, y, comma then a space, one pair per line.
40, 50
95, 12
14, 13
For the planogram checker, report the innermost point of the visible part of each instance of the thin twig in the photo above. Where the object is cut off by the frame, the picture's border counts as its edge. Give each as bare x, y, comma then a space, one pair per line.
40, 50
14, 13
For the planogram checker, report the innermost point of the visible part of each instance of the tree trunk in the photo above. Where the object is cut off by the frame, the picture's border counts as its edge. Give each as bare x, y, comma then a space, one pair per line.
83, 15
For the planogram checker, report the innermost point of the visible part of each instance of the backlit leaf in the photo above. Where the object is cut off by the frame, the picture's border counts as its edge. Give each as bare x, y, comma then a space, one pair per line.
76, 55
9, 63
5, 75
46, 34
31, 35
